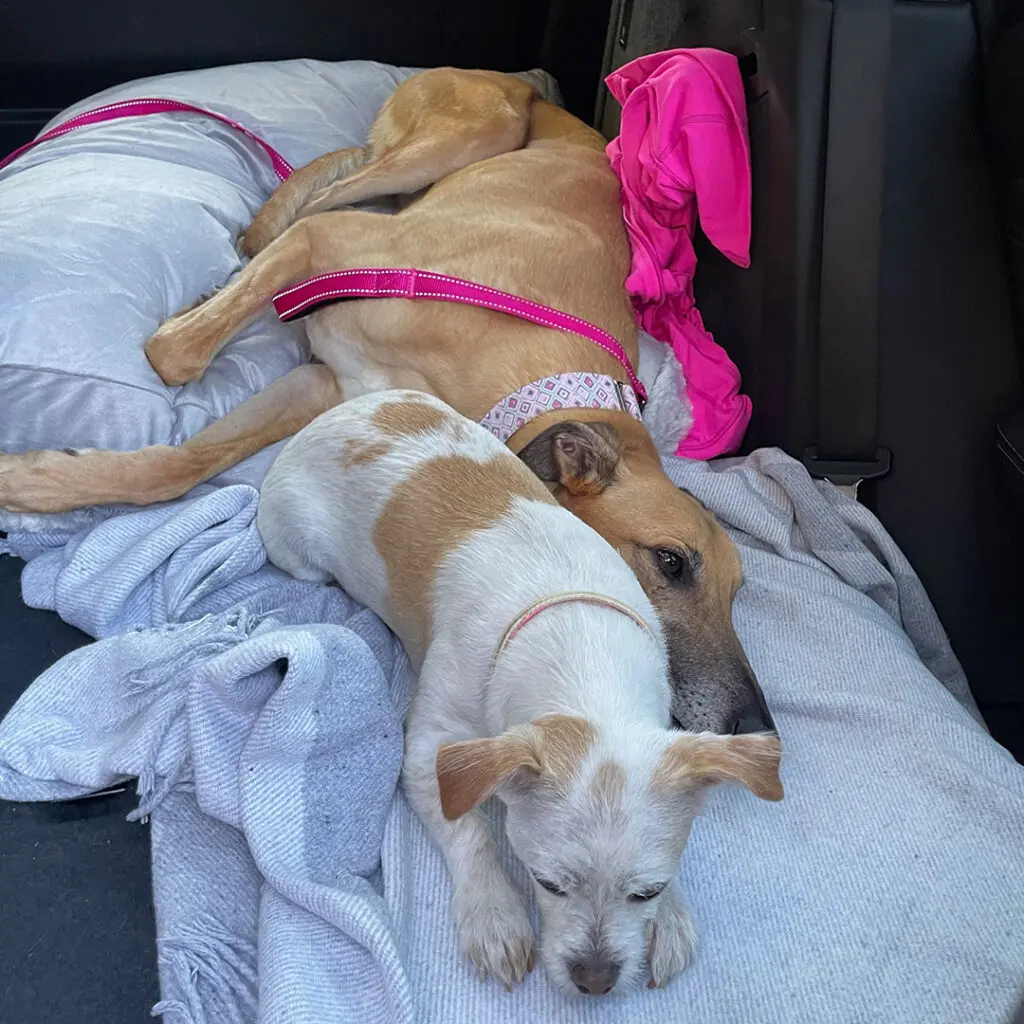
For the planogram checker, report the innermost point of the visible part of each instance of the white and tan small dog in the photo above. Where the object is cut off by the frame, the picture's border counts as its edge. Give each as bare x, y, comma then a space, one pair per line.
543, 679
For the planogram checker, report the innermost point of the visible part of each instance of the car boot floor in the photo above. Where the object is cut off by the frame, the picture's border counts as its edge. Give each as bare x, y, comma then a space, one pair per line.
77, 935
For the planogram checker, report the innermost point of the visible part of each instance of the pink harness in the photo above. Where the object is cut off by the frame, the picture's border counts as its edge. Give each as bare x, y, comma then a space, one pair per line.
569, 390
139, 108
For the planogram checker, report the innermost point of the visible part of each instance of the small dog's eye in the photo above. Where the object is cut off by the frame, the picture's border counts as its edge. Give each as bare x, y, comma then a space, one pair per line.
550, 886
646, 894
677, 567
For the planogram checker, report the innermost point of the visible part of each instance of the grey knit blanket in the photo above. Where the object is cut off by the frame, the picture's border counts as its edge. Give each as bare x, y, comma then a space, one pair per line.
293, 885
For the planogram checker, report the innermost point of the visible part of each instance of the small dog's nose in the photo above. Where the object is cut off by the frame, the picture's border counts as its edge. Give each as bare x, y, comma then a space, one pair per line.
595, 979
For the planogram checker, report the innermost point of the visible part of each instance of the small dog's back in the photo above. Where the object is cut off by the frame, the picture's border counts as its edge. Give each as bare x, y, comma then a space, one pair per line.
380, 491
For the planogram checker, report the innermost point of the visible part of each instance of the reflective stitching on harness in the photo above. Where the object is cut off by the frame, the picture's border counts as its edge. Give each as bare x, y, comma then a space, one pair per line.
405, 283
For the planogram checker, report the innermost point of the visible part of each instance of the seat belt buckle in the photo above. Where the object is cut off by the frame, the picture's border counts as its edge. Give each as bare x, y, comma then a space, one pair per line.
847, 472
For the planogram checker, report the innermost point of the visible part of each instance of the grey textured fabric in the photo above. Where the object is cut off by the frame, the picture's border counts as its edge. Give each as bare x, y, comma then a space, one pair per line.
884, 888
771, 502
262, 717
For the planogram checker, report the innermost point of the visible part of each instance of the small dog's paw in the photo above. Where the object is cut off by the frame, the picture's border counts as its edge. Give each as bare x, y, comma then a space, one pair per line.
494, 930
671, 938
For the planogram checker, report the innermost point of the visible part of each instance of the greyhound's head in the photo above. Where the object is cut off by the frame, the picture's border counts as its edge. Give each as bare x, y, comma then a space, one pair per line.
611, 477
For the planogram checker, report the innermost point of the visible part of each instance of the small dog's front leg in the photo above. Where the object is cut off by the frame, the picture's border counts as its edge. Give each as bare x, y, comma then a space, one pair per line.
671, 937
490, 915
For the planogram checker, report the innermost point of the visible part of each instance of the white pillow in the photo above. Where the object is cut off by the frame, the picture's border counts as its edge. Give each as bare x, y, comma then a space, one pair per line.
106, 231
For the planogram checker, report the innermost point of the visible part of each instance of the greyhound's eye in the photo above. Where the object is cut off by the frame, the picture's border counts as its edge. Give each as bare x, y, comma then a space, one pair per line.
647, 894
550, 886
676, 566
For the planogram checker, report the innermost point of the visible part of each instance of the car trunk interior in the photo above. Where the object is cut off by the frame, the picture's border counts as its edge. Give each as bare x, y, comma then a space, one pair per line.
76, 876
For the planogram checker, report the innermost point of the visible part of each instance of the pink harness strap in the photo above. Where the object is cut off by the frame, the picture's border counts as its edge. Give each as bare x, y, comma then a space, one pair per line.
380, 282
139, 108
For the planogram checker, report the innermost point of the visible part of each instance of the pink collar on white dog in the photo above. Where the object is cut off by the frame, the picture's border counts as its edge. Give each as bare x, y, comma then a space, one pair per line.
570, 597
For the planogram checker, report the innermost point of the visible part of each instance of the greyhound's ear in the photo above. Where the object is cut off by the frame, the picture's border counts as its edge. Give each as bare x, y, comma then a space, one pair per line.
581, 457
690, 494
695, 761
469, 772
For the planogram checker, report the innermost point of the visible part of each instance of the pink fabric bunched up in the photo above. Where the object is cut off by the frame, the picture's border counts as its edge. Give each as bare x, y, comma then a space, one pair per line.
683, 154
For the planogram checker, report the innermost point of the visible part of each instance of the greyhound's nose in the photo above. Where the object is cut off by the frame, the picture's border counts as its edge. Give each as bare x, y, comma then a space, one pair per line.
754, 717
595, 979
753, 722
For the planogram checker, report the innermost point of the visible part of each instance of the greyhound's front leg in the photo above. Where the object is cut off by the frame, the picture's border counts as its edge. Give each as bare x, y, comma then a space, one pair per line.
185, 343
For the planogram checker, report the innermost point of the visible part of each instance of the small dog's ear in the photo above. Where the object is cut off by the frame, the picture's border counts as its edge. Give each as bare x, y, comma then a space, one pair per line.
469, 772
705, 758
581, 457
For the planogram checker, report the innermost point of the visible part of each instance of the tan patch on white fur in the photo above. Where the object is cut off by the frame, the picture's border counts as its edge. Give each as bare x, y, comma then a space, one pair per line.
608, 786
428, 515
414, 416
704, 758
553, 747
564, 742
361, 451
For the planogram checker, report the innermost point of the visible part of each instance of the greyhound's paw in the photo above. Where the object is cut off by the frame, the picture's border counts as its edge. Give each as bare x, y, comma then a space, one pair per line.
168, 354
36, 481
671, 938
260, 233
494, 930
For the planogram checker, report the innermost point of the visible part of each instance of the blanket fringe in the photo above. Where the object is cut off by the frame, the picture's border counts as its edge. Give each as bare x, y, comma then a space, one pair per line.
212, 975
210, 636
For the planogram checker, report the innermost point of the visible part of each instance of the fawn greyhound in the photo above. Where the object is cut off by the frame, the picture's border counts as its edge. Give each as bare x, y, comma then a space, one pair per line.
508, 191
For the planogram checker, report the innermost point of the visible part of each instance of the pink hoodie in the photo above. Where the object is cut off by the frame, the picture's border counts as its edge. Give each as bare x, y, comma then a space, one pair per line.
683, 152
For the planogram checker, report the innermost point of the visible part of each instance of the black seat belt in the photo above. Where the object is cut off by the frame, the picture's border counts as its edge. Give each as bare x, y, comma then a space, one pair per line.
847, 450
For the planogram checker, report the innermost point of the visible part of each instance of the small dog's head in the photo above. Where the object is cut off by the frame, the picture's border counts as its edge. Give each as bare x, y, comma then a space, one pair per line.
600, 819
612, 478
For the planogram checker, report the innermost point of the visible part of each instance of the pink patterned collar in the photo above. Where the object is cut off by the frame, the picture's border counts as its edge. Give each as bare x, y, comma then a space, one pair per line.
577, 390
